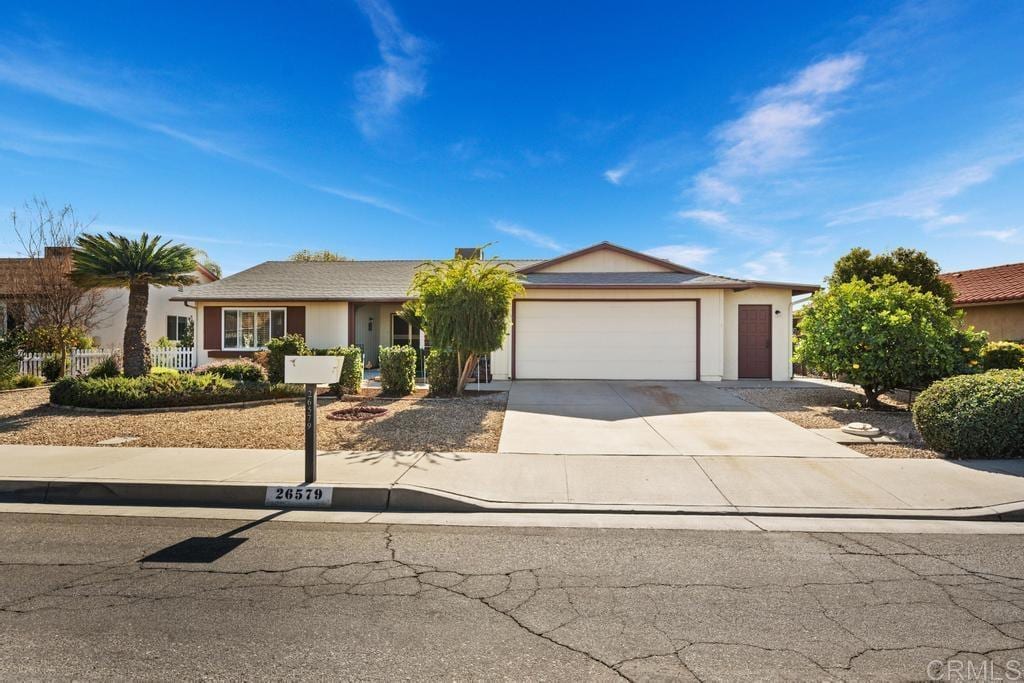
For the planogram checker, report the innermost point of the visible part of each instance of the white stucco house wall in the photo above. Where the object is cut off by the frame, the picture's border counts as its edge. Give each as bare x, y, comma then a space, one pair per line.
604, 312
165, 317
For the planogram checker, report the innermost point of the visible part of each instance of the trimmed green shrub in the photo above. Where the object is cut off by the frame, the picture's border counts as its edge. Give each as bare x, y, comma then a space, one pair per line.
160, 370
162, 391
442, 372
1003, 355
968, 347
52, 368
974, 416
241, 369
10, 358
397, 370
108, 367
351, 371
278, 348
27, 381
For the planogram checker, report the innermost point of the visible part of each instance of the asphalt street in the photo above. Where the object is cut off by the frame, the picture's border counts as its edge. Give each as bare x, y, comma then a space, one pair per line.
171, 599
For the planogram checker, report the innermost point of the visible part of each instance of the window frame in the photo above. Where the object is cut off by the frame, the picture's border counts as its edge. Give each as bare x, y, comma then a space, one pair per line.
255, 309
177, 325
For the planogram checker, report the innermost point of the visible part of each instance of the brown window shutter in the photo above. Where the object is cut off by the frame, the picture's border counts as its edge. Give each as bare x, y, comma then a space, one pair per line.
211, 327
296, 320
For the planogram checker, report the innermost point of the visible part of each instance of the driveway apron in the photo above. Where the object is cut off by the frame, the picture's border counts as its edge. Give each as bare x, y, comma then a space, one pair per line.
649, 418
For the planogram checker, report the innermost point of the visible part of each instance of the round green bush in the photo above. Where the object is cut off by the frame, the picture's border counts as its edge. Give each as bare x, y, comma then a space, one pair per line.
241, 369
974, 416
52, 368
1003, 355
442, 372
108, 367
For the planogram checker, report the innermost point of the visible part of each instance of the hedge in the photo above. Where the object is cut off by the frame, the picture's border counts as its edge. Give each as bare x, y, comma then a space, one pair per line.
162, 391
351, 370
397, 370
240, 369
974, 416
278, 348
1003, 355
442, 367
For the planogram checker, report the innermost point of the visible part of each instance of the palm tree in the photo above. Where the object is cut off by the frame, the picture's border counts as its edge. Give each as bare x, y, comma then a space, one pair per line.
114, 261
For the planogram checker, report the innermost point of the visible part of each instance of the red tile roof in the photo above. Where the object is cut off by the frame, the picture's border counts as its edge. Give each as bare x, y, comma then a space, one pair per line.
982, 285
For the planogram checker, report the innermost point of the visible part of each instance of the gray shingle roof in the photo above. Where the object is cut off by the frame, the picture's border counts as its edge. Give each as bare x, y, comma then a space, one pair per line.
390, 280
314, 281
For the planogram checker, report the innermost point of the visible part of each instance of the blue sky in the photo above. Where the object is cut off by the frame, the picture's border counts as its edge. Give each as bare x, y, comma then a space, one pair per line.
753, 139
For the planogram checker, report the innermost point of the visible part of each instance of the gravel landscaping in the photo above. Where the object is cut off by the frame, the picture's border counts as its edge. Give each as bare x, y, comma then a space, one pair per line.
416, 423
828, 407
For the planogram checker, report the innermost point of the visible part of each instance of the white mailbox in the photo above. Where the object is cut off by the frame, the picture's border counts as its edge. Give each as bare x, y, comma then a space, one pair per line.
312, 369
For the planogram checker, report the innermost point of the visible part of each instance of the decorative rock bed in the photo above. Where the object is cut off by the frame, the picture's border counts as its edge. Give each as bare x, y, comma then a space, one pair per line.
357, 413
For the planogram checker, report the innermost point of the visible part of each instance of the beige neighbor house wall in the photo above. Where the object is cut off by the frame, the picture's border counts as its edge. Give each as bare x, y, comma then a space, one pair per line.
109, 330
719, 333
1003, 322
326, 323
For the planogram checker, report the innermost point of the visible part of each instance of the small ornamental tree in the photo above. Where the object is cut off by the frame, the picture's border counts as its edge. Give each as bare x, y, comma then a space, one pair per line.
464, 305
880, 336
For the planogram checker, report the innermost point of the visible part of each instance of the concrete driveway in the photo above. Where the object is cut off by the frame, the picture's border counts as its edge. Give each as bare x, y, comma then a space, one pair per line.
649, 418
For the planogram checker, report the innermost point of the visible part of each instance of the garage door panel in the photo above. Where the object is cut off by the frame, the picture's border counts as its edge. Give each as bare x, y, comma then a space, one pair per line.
606, 340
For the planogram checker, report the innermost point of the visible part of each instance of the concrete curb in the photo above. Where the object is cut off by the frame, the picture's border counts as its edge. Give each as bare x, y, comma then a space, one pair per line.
414, 499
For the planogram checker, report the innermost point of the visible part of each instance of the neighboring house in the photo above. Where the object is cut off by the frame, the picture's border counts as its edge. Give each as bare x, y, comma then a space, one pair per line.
165, 317
992, 299
604, 312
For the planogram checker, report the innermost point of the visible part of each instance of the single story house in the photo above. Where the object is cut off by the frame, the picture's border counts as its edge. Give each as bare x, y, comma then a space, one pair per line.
992, 299
164, 317
604, 312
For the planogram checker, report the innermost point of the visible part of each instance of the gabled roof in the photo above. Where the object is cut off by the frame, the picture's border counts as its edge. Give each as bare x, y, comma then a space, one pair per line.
315, 281
985, 285
390, 280
600, 246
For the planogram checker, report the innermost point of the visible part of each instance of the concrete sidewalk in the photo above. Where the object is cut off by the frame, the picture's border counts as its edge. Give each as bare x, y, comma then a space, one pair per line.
454, 482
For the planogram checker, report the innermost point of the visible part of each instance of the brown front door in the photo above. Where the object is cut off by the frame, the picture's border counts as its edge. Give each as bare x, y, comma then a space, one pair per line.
755, 346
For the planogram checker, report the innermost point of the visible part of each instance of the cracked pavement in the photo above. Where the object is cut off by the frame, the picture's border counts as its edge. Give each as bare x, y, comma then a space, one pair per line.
401, 602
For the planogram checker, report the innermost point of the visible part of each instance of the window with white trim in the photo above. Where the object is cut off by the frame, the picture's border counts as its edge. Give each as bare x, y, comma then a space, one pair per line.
249, 329
177, 327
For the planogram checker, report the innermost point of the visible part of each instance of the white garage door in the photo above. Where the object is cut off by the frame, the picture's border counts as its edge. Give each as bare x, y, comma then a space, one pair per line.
606, 340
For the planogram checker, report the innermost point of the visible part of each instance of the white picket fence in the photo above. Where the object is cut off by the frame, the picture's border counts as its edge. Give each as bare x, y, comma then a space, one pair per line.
82, 360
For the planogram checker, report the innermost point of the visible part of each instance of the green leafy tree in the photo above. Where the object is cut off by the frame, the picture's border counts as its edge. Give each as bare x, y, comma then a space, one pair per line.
906, 265
109, 261
464, 305
310, 255
880, 336
204, 260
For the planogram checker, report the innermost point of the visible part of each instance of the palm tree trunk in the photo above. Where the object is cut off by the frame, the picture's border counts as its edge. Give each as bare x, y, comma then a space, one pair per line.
136, 350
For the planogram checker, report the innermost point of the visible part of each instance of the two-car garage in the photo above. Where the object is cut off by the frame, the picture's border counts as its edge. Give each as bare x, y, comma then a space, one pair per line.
606, 339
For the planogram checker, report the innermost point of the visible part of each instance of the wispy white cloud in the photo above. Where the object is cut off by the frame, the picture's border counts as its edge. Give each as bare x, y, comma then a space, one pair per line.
773, 263
134, 98
775, 131
1008, 235
367, 199
925, 200
683, 254
527, 235
402, 76
615, 175
706, 216
185, 237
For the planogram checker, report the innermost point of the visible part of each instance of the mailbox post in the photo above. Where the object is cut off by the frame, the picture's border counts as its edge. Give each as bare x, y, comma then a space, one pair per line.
311, 371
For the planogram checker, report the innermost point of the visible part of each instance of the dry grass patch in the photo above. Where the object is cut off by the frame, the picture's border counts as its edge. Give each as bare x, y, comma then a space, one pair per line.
469, 424
834, 407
